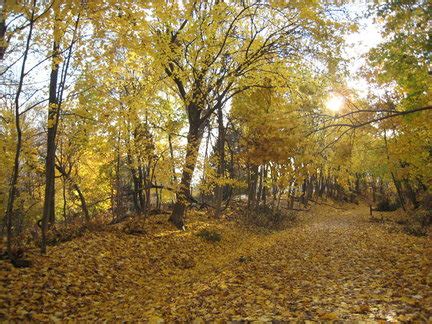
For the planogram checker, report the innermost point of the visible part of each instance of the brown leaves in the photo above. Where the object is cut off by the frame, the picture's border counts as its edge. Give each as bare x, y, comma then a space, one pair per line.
330, 267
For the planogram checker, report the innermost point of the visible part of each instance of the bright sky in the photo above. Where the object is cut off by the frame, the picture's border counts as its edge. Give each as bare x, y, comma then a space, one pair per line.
360, 43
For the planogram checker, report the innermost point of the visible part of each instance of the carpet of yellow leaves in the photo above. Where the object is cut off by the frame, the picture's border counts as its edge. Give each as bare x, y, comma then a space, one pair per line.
331, 265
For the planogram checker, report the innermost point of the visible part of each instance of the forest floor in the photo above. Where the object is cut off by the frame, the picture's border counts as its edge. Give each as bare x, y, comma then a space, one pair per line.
331, 264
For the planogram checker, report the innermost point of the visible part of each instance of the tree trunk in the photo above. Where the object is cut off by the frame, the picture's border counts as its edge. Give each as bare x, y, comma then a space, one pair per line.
48, 215
260, 185
83, 202
15, 169
395, 181
357, 184
373, 187
264, 185
64, 199
203, 177
172, 159
252, 185
411, 193
54, 105
135, 182
3, 41
141, 197
193, 143
221, 166
66, 177
118, 198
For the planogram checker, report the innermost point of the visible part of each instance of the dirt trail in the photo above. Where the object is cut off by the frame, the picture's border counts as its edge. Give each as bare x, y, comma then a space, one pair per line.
333, 264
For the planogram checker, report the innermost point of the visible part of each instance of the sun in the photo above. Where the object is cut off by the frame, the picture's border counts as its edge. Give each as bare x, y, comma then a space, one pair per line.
335, 102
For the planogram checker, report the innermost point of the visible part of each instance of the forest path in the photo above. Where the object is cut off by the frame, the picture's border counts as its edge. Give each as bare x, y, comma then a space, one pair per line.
333, 264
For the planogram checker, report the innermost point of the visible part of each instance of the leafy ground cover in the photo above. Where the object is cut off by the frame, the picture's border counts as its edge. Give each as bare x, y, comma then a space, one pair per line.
331, 264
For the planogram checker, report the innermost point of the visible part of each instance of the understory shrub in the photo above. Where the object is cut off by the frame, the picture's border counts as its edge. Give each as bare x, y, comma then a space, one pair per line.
61, 234
134, 227
423, 217
265, 216
386, 205
209, 235
418, 222
414, 228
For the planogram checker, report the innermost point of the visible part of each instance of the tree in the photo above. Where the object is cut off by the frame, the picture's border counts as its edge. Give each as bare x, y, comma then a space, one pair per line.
16, 163
212, 51
56, 92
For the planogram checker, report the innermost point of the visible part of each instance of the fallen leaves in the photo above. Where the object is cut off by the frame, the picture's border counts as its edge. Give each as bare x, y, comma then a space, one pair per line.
329, 267
329, 316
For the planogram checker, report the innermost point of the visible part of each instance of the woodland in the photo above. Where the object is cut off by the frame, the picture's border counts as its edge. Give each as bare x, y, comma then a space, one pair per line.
191, 160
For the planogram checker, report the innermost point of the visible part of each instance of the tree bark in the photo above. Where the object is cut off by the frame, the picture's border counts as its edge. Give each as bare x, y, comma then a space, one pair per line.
15, 169
221, 166
395, 181
48, 215
83, 202
252, 184
54, 106
264, 185
411, 193
193, 143
373, 189
67, 177
141, 196
3, 41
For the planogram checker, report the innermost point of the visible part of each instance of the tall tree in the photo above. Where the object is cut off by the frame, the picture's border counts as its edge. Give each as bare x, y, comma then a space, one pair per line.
16, 164
56, 91
212, 51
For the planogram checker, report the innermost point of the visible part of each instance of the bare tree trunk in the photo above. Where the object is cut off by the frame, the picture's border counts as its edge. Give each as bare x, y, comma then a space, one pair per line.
292, 197
263, 185
203, 178
373, 187
54, 107
193, 142
135, 181
3, 41
172, 158
83, 202
48, 215
260, 186
66, 176
132, 168
221, 166
395, 181
63, 184
118, 199
15, 170
252, 185
158, 197
411, 193
64, 198
321, 185
141, 197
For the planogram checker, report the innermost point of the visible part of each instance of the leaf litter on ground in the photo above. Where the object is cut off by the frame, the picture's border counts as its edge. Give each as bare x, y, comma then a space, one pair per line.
332, 265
